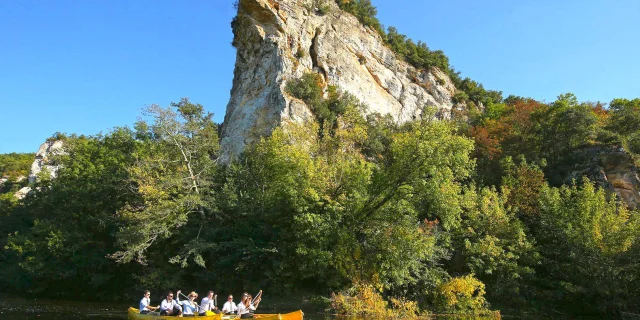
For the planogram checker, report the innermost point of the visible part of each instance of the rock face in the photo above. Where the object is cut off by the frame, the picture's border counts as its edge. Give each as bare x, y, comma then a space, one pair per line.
42, 163
612, 169
278, 40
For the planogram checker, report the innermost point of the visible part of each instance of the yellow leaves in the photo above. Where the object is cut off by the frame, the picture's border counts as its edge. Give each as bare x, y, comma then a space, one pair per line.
463, 293
361, 300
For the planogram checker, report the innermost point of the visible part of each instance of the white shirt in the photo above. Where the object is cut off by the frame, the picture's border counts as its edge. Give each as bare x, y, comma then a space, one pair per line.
168, 306
229, 306
242, 309
206, 304
144, 303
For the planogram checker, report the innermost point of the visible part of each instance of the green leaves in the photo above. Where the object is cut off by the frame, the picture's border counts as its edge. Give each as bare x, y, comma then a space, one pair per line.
14, 165
584, 240
173, 162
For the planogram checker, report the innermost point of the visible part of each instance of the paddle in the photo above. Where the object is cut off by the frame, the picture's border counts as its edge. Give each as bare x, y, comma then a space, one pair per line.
206, 312
257, 298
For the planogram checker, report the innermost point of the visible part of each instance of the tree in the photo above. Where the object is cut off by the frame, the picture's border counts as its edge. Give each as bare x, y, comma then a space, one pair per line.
493, 244
584, 241
66, 226
566, 125
14, 165
175, 156
625, 116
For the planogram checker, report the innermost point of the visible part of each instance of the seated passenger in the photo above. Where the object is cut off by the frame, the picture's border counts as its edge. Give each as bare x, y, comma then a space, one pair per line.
246, 307
208, 304
170, 307
189, 307
144, 303
229, 307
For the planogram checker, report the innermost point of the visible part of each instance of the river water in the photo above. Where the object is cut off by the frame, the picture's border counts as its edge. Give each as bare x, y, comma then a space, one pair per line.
12, 308
41, 309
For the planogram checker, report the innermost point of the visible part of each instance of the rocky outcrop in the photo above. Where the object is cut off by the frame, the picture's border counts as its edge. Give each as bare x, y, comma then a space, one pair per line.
278, 40
22, 193
43, 159
613, 169
43, 163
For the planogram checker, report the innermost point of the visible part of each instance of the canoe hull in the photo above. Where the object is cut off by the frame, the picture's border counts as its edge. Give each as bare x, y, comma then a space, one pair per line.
296, 315
134, 314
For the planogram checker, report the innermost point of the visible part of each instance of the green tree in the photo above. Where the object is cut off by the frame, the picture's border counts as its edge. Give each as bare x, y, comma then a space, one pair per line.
493, 244
175, 156
63, 231
14, 165
584, 241
625, 116
567, 125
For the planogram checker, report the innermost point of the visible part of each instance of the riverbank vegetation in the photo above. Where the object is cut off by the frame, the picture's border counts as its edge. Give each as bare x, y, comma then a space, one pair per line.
430, 216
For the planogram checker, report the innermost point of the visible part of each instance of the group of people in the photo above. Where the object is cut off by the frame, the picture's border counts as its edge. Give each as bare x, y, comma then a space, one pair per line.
190, 308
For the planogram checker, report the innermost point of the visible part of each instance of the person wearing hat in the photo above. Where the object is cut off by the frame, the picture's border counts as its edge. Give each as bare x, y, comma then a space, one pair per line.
190, 306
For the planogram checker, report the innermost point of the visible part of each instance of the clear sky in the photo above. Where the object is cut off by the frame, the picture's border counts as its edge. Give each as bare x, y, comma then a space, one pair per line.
88, 66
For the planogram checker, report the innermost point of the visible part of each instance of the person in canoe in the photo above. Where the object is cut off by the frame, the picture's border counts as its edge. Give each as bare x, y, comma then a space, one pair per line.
229, 307
246, 307
144, 303
190, 306
170, 307
208, 304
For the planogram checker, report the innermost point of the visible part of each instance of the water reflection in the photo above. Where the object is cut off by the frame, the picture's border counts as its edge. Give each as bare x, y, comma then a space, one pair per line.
14, 309
23, 309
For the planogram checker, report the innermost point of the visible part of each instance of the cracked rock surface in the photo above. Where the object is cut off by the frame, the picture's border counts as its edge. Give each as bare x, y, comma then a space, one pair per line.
280, 40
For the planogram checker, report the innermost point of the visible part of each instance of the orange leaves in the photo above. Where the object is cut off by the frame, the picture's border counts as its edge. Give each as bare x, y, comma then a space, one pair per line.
515, 122
487, 145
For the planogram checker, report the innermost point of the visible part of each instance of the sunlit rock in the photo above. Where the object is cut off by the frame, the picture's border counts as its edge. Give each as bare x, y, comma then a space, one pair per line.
281, 40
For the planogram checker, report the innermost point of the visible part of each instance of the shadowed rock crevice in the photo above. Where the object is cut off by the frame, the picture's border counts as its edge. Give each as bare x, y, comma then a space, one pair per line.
313, 53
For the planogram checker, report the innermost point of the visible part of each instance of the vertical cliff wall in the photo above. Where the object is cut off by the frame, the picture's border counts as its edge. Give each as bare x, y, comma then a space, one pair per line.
280, 40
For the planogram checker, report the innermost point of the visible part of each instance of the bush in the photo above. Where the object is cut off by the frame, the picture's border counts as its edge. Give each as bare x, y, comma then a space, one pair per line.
462, 295
607, 137
634, 142
308, 89
365, 301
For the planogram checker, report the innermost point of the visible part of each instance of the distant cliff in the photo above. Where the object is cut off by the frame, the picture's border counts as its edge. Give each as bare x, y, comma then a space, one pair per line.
43, 162
281, 40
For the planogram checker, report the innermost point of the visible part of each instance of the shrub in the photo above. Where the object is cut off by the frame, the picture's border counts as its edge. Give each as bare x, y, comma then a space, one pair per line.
462, 295
634, 142
363, 300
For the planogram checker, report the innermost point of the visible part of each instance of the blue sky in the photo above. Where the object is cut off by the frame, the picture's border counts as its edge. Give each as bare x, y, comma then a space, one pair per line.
88, 66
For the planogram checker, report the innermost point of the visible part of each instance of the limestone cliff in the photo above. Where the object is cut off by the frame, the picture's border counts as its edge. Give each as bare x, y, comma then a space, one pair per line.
41, 163
611, 168
278, 40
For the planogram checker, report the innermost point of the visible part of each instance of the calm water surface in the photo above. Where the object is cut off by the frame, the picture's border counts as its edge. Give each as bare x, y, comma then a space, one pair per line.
12, 308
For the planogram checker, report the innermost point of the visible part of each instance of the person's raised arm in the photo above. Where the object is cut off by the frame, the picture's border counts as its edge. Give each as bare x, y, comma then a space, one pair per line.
257, 302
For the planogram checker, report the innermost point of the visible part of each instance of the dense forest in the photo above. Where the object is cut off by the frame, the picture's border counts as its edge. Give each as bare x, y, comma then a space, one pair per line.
464, 215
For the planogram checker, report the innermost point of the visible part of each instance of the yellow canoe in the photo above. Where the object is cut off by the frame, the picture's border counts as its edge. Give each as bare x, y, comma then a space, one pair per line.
296, 315
134, 314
